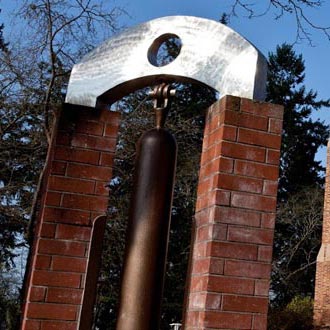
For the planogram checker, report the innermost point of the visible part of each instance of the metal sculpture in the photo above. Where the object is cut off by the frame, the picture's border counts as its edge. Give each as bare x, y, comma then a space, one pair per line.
211, 53
148, 224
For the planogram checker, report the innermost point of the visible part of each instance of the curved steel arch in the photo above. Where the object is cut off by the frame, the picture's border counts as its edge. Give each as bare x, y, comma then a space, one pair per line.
211, 54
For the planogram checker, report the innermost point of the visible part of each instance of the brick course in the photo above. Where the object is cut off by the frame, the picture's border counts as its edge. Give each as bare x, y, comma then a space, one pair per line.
235, 216
73, 194
322, 282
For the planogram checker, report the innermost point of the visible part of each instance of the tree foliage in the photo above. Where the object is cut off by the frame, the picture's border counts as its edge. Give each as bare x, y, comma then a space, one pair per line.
297, 242
297, 315
300, 202
302, 135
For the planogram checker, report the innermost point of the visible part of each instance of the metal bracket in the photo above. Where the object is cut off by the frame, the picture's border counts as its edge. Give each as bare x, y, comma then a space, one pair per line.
162, 95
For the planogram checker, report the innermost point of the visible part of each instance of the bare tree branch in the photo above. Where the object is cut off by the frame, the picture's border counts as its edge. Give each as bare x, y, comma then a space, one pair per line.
297, 8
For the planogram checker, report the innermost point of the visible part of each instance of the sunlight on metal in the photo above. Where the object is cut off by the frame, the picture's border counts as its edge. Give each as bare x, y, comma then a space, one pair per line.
211, 54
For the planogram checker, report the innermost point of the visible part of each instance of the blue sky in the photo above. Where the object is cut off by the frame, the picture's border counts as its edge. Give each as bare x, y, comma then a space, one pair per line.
264, 32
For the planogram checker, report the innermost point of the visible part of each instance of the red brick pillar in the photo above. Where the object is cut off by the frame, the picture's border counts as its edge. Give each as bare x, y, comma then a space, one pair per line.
322, 282
74, 193
235, 215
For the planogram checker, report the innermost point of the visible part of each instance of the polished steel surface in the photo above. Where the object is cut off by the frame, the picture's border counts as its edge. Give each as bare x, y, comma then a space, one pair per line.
148, 231
211, 53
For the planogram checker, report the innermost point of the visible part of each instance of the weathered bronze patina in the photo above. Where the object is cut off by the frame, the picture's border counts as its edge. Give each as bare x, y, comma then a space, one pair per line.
149, 222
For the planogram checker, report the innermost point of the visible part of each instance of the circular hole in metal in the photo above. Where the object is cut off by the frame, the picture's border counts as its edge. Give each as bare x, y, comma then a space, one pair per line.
164, 50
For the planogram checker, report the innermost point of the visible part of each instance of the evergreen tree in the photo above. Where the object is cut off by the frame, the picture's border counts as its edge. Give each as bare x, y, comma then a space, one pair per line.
302, 136
299, 216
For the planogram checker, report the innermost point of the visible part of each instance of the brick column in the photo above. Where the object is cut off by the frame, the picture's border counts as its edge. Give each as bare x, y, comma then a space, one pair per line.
73, 194
322, 281
235, 215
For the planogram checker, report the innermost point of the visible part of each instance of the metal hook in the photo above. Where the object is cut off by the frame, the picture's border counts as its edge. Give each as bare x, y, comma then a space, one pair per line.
162, 95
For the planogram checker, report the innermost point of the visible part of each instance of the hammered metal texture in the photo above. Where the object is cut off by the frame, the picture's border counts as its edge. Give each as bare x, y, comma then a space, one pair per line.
211, 53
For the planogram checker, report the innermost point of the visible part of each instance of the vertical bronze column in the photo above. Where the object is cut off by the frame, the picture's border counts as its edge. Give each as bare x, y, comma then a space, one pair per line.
148, 227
